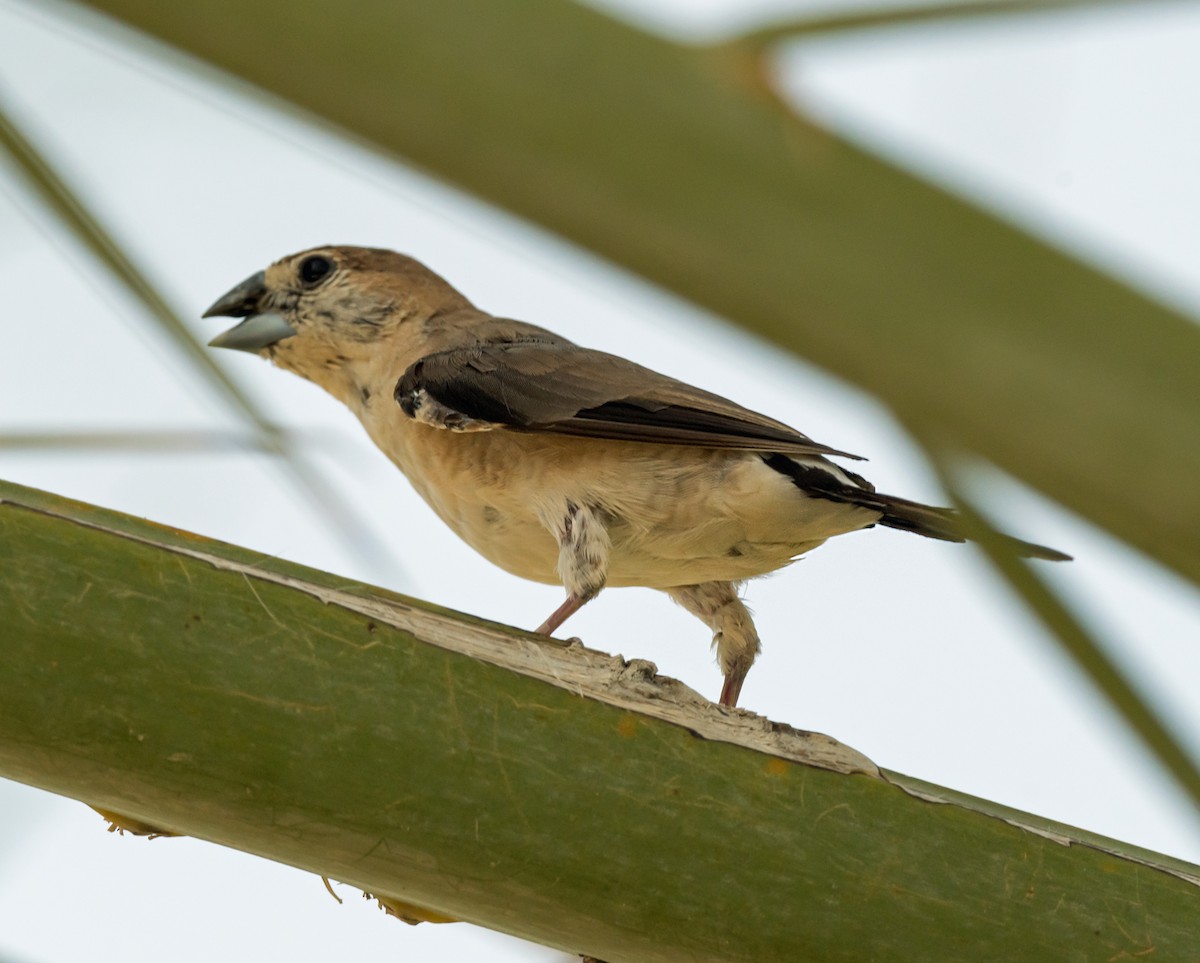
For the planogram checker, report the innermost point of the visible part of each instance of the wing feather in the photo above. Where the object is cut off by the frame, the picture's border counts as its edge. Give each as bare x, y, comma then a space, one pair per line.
545, 385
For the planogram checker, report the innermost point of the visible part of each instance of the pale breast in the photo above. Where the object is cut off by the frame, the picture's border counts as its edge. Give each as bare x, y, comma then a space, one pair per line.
480, 484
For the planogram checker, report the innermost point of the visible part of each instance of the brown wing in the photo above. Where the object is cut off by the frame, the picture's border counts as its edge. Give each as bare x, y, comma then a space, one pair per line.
552, 386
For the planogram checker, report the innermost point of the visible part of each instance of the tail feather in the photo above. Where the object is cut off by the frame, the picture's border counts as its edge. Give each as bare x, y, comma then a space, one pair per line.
822, 479
933, 522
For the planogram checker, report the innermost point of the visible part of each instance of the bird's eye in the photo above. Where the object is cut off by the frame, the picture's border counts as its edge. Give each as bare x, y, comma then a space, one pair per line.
314, 270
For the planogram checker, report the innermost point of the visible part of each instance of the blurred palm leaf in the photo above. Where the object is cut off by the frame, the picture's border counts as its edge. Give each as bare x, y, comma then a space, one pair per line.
1064, 626
892, 15
157, 442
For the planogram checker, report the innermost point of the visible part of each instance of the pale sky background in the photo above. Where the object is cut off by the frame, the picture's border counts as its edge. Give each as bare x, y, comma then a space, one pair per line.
1083, 126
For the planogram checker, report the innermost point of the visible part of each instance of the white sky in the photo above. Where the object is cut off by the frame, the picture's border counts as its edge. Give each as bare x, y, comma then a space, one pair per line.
1076, 124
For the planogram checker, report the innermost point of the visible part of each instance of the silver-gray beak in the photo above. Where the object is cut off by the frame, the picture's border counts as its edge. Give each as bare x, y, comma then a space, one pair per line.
257, 331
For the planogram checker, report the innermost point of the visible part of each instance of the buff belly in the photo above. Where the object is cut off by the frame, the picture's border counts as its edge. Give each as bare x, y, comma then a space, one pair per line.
675, 515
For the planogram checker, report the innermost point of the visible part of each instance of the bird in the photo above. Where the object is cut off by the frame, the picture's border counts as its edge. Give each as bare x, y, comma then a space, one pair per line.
559, 463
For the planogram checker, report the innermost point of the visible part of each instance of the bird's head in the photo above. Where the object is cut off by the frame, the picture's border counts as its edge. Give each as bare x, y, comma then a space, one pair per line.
326, 308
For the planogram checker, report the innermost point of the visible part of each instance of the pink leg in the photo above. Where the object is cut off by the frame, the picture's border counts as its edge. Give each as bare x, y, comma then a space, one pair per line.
572, 605
733, 686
